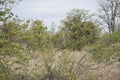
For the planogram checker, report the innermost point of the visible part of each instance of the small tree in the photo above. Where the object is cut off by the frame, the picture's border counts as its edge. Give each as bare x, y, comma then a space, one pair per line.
37, 35
79, 29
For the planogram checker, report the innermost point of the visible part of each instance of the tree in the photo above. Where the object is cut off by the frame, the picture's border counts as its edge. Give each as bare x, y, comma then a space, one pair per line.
37, 35
79, 29
11, 36
110, 13
8, 28
9, 33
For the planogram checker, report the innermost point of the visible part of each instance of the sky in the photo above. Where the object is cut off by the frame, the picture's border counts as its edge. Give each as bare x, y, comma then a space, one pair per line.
51, 10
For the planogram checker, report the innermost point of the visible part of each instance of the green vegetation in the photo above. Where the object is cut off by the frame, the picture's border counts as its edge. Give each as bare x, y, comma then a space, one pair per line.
78, 29
110, 47
31, 51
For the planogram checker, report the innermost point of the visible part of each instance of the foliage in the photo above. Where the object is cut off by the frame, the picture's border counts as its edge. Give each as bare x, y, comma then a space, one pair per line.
37, 36
5, 10
78, 29
110, 48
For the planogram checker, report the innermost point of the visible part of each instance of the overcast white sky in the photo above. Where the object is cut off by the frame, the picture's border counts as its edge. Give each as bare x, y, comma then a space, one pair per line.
51, 10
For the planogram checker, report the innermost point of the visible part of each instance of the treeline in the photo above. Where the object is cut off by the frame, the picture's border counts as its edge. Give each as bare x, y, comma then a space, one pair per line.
76, 31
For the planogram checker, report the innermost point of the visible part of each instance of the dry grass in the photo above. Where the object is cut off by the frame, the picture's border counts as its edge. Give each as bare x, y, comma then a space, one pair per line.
35, 66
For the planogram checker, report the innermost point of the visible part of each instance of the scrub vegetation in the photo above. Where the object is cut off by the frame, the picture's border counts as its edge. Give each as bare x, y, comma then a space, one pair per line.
84, 47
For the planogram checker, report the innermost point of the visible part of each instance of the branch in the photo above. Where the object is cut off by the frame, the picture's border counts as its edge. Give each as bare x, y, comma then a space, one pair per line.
76, 70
